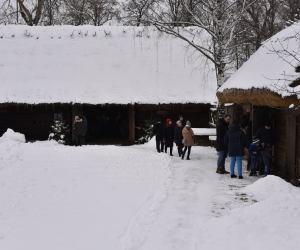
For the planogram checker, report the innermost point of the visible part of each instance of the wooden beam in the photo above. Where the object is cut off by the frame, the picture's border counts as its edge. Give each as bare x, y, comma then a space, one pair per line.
131, 124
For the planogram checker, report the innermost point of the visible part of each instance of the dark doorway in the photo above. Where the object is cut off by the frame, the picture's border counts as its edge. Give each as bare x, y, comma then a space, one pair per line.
107, 125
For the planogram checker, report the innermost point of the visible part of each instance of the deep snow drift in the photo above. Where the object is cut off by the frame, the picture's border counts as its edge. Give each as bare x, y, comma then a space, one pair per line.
125, 198
99, 65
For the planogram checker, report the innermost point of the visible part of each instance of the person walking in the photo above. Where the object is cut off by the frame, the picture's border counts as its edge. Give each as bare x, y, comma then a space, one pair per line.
168, 136
266, 135
188, 137
236, 140
222, 128
182, 121
158, 131
179, 137
79, 131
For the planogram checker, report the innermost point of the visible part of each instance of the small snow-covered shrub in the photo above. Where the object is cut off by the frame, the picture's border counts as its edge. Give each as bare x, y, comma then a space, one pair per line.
149, 123
13, 136
60, 132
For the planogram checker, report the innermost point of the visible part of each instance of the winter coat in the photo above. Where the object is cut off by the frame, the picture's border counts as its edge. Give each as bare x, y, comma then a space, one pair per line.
158, 131
222, 129
236, 140
249, 134
168, 135
84, 120
266, 136
254, 149
178, 135
79, 127
188, 134
267, 156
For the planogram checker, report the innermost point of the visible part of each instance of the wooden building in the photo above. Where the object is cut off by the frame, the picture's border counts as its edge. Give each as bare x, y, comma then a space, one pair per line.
115, 76
255, 97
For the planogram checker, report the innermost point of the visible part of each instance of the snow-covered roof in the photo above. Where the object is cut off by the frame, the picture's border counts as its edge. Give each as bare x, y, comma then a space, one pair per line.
269, 70
99, 65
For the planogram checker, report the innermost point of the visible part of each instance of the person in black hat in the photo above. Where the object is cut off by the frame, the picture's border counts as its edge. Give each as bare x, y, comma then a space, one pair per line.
182, 121
266, 135
158, 130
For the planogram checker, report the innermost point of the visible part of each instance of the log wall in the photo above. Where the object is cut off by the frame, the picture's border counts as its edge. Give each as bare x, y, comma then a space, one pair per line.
34, 121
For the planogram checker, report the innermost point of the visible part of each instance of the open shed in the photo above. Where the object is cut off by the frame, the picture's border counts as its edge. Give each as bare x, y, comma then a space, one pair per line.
260, 91
115, 76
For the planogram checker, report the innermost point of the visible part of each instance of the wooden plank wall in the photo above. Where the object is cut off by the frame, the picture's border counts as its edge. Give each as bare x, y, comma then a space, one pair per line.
34, 121
197, 114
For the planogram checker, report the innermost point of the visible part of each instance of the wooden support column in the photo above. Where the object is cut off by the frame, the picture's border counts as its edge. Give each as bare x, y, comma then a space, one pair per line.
131, 124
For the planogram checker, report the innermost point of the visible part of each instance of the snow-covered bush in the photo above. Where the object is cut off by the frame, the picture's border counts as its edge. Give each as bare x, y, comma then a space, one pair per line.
60, 132
13, 136
149, 123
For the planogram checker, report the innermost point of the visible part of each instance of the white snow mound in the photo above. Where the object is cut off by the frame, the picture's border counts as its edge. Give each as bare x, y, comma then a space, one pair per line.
11, 135
270, 185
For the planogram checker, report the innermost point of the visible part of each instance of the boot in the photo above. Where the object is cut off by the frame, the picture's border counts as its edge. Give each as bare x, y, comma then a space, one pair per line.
171, 150
188, 158
241, 177
220, 171
251, 173
224, 171
254, 173
233, 176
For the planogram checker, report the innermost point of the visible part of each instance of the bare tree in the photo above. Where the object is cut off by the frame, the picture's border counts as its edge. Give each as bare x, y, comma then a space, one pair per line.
31, 10
136, 11
216, 20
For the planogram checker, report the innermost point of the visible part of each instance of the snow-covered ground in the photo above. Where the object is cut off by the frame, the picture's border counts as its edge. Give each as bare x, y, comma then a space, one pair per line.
56, 197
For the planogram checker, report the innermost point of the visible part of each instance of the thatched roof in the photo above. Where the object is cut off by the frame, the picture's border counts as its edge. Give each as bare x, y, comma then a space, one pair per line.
99, 65
258, 97
269, 76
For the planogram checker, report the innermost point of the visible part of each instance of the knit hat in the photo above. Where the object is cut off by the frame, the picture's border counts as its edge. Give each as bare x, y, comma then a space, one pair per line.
178, 122
169, 120
77, 118
255, 140
268, 124
188, 123
158, 120
235, 123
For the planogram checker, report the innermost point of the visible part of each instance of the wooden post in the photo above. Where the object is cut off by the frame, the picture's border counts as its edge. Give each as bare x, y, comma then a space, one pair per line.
291, 130
131, 116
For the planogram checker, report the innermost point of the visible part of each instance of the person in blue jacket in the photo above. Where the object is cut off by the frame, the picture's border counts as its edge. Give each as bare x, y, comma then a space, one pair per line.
236, 140
254, 151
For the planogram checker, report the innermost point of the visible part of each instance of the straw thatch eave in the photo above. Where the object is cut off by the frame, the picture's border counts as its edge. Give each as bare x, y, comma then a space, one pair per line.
258, 97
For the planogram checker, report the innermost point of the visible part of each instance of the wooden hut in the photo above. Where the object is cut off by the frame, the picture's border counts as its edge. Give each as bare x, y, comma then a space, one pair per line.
115, 76
260, 91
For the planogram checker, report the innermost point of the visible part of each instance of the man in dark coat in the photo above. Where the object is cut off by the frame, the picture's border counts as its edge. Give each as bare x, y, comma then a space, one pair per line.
222, 129
179, 137
266, 135
79, 131
236, 140
158, 131
168, 136
182, 121
84, 120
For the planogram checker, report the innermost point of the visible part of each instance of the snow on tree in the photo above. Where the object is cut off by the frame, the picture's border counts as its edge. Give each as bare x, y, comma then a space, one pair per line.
60, 131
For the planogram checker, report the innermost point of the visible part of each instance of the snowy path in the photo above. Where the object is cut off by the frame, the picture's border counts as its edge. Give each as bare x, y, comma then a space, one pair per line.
132, 198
